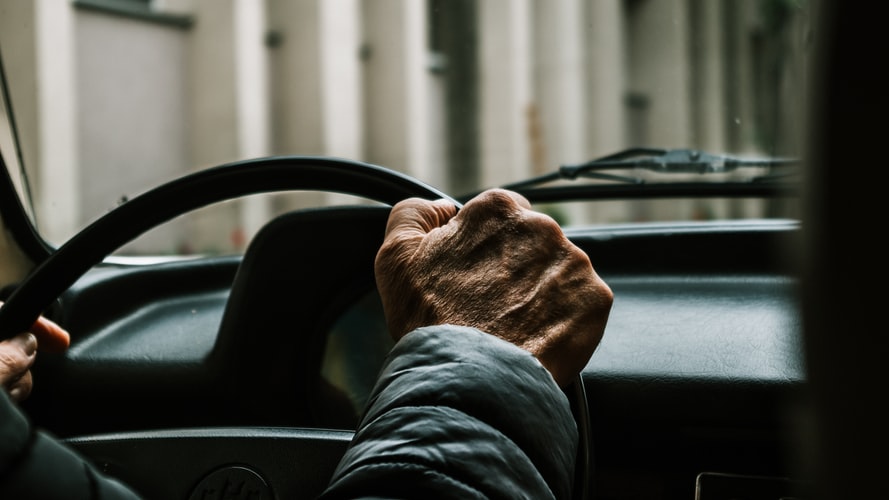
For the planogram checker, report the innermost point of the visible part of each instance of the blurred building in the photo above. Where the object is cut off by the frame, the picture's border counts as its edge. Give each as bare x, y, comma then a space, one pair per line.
115, 96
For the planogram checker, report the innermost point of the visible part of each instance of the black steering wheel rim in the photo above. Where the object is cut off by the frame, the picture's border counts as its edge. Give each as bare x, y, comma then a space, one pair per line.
232, 180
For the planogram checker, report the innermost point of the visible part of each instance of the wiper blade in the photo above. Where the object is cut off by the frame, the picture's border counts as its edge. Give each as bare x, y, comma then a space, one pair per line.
666, 161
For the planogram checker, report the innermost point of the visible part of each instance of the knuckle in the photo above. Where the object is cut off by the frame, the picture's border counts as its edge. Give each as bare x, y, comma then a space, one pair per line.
492, 203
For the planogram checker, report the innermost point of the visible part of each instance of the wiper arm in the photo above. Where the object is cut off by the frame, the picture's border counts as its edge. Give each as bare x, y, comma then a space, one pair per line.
668, 161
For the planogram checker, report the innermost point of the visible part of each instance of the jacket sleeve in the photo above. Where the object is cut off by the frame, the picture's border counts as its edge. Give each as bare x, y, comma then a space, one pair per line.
33, 464
457, 413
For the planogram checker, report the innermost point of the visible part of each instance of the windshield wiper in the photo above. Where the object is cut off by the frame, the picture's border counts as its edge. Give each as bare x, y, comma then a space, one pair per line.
665, 161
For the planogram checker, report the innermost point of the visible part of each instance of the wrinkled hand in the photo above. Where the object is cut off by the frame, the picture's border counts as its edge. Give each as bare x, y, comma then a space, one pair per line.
497, 266
18, 354
16, 357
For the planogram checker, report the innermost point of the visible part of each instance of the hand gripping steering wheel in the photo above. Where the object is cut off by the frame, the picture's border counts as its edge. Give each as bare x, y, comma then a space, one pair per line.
97, 241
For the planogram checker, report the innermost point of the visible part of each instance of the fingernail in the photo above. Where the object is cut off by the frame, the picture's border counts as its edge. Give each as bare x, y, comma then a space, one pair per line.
30, 344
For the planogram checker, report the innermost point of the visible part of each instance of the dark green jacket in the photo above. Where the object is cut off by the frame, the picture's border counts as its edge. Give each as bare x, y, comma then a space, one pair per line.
460, 414
34, 465
456, 413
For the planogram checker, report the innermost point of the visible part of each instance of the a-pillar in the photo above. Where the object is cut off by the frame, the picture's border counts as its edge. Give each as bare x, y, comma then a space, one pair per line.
58, 203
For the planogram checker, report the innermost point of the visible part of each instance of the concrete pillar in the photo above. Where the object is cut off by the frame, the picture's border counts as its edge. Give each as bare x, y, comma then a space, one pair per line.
739, 20
709, 112
424, 161
561, 89
606, 91
295, 80
739, 76
397, 119
709, 76
341, 99
659, 70
659, 81
229, 96
213, 93
560, 80
506, 91
606, 83
252, 100
341, 78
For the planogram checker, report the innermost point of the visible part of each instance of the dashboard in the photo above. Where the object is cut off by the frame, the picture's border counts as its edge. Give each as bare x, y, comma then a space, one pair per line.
697, 383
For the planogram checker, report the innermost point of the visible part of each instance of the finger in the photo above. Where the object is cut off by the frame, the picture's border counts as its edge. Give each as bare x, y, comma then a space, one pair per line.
16, 357
50, 336
21, 387
414, 218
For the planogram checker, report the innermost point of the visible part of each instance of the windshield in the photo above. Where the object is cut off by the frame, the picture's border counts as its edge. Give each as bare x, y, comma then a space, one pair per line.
114, 97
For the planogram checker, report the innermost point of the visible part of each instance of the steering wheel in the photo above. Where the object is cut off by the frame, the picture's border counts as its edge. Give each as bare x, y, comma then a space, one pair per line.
93, 244
136, 216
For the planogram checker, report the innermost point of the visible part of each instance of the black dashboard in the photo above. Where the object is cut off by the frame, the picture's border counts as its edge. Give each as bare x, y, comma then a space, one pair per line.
699, 371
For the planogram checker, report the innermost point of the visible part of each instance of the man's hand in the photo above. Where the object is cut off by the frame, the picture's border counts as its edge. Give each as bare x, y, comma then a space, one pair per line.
17, 355
496, 266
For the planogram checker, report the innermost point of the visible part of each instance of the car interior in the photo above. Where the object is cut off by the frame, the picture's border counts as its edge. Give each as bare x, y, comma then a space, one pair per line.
743, 359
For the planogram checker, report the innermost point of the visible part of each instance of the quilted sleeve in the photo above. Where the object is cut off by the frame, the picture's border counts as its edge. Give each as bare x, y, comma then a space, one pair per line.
33, 464
457, 413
